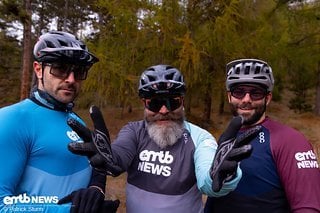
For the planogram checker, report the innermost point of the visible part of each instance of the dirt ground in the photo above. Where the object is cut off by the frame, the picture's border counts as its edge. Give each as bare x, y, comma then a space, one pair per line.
307, 123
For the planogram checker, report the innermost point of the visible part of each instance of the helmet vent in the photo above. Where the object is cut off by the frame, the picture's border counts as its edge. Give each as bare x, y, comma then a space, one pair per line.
83, 46
50, 44
233, 78
151, 78
142, 81
260, 77
247, 70
169, 67
237, 70
62, 43
169, 76
257, 70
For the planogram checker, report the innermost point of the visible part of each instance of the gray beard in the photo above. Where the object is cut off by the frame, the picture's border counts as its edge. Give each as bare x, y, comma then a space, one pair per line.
165, 135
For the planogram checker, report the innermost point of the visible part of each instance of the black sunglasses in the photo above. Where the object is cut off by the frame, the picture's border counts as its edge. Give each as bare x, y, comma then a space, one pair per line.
255, 93
155, 104
62, 70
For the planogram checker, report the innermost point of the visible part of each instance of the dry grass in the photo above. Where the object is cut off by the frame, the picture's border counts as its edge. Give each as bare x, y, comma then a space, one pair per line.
307, 123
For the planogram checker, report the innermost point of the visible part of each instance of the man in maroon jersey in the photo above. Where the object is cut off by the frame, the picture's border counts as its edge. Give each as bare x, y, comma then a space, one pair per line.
282, 173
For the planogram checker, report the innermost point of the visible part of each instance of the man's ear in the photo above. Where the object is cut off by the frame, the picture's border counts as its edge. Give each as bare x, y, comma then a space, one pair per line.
142, 101
229, 96
37, 68
268, 98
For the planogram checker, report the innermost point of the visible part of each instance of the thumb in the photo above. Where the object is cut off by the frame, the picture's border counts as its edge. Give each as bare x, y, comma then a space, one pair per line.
66, 199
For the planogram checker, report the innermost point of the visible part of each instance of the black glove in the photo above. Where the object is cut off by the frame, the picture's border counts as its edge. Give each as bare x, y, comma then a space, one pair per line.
84, 200
231, 150
96, 144
110, 206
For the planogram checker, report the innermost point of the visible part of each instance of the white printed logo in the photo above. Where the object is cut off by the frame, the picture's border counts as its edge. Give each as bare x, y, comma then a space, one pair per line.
306, 160
261, 137
25, 199
185, 137
73, 135
147, 162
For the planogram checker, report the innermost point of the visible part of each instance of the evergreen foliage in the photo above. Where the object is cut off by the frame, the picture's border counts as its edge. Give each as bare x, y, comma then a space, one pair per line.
198, 37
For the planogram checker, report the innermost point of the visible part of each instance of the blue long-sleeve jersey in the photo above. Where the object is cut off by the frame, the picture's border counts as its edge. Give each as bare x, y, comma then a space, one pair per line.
36, 168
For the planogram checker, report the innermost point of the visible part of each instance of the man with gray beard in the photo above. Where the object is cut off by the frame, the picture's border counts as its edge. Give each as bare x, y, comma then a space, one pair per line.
170, 162
165, 135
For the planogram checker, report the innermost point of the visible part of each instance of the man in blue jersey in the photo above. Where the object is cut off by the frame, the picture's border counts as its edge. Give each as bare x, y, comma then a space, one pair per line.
36, 169
282, 174
169, 160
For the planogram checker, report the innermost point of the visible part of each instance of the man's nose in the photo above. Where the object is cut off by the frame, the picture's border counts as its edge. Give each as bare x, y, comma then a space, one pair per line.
164, 110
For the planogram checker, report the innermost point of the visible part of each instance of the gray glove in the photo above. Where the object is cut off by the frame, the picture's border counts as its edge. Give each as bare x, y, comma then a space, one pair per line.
231, 150
96, 144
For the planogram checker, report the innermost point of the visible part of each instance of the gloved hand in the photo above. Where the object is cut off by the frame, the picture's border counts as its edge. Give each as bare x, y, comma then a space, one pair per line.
84, 200
96, 144
110, 206
231, 150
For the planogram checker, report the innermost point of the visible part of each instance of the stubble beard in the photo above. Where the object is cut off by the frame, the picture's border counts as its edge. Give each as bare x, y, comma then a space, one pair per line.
249, 119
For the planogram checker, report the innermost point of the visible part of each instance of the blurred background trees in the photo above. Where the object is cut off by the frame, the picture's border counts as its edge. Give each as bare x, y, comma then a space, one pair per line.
197, 36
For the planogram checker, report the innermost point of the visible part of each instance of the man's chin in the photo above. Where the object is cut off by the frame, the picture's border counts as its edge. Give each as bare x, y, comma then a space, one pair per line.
163, 122
66, 99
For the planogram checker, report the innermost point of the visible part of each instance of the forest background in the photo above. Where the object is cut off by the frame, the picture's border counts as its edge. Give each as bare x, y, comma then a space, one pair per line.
197, 36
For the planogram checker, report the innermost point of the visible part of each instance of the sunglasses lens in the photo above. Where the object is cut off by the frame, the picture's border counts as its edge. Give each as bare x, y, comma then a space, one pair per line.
80, 72
255, 93
238, 93
63, 70
175, 103
155, 104
58, 70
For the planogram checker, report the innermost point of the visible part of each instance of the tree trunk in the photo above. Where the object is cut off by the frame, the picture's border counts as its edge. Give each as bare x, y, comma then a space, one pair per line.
26, 60
207, 106
317, 104
222, 101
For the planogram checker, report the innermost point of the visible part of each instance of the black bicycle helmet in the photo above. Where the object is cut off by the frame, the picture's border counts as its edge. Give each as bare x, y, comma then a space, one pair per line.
249, 71
161, 80
61, 46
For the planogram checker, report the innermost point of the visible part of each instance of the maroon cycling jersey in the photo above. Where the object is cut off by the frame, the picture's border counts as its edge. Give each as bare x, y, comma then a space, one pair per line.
281, 175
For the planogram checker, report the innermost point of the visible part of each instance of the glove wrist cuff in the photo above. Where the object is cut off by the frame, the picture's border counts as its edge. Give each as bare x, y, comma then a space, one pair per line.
230, 177
97, 187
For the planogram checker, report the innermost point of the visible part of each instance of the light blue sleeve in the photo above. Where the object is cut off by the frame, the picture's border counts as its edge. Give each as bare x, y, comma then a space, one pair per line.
205, 148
